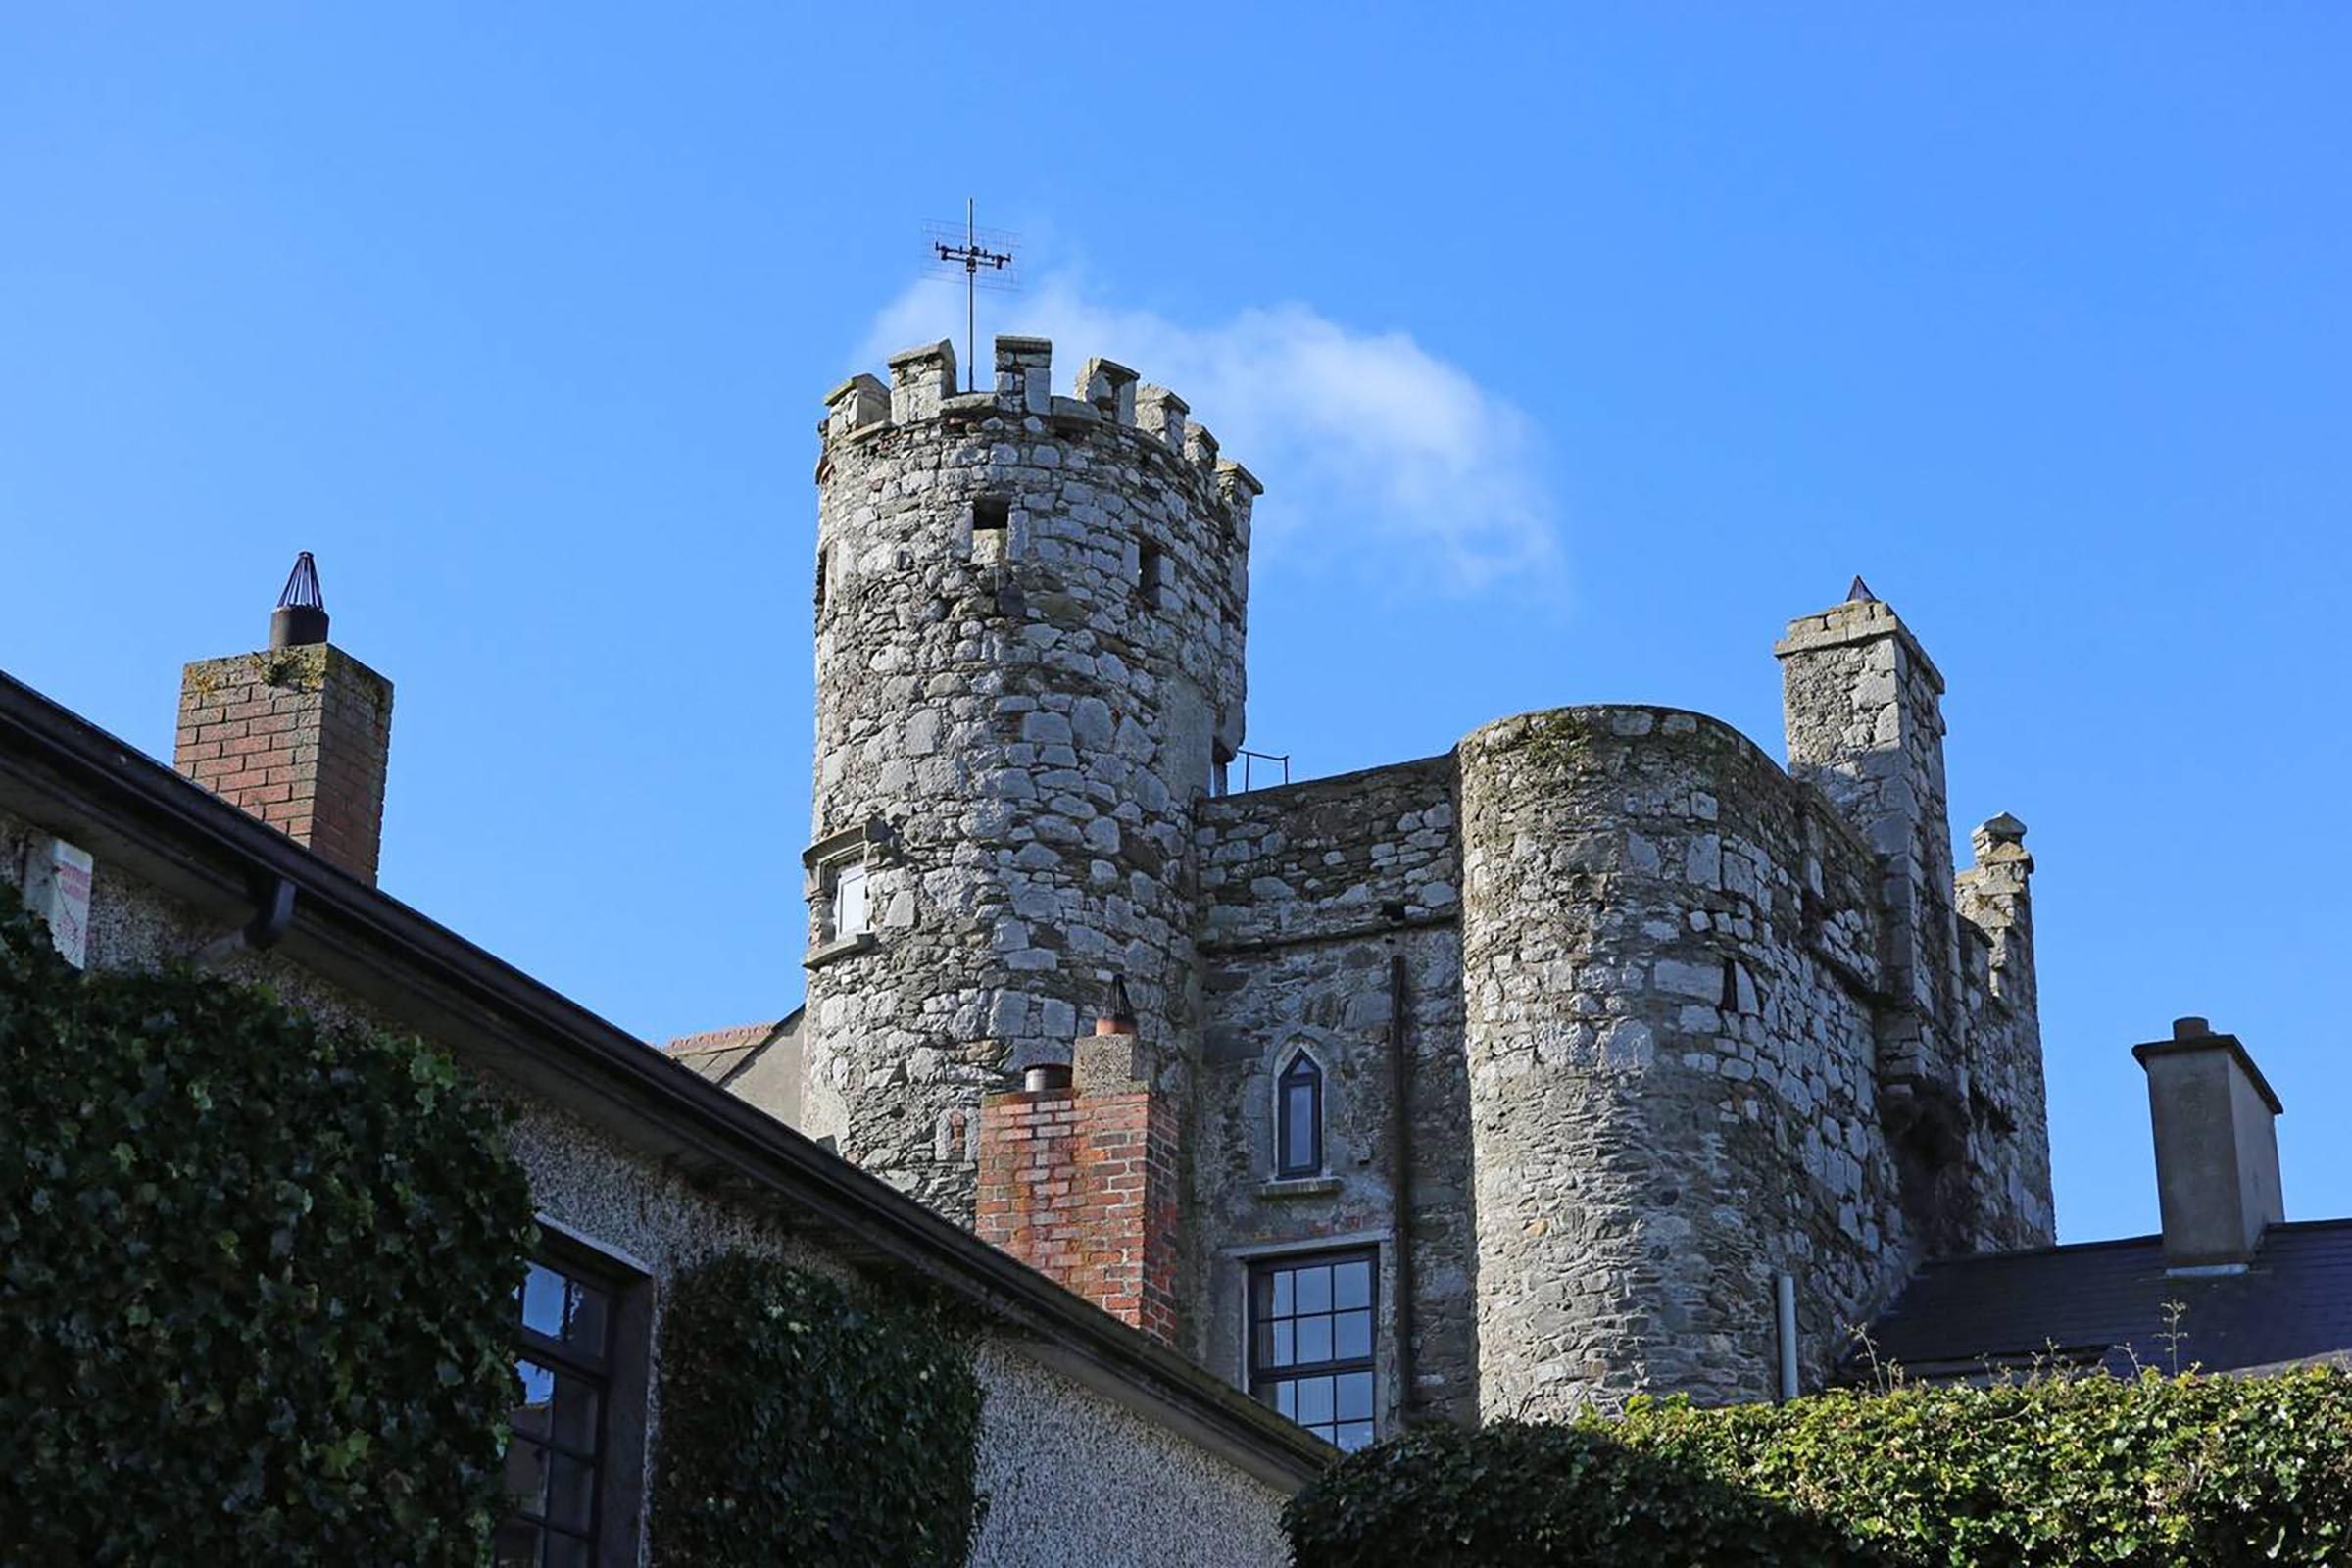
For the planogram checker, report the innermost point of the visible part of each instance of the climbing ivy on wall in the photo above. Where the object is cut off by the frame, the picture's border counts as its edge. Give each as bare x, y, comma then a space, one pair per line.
2155, 1472
256, 1277
803, 1421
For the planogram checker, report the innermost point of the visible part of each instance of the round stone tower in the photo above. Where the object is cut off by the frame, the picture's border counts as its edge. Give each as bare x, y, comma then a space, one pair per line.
1667, 958
1029, 639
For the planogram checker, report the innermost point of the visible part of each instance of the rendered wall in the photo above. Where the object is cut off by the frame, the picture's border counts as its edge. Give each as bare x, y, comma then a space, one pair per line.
1669, 955
1029, 721
1071, 1475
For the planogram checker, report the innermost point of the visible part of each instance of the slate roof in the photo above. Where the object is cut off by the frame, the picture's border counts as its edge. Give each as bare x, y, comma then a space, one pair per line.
2101, 1303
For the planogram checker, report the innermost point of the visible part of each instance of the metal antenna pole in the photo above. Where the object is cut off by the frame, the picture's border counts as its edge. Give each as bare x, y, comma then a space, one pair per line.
971, 296
972, 257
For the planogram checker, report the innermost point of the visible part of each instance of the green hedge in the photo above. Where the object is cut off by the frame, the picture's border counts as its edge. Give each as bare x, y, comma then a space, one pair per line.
256, 1279
803, 1422
2154, 1471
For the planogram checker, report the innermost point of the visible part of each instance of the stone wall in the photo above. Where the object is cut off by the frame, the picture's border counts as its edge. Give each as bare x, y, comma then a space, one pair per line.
1314, 896
2008, 1155
1670, 960
1029, 661
1863, 705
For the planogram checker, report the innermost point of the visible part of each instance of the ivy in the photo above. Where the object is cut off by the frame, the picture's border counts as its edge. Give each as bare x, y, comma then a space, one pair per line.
2064, 1471
803, 1422
256, 1277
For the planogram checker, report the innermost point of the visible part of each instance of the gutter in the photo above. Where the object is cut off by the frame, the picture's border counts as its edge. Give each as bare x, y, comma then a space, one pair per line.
71, 778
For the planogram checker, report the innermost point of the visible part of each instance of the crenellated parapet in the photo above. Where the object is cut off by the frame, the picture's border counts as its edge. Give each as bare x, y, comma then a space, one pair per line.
1108, 398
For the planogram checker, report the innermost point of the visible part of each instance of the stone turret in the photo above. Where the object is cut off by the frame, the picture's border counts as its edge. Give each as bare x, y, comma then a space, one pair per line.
1668, 951
1863, 705
1029, 656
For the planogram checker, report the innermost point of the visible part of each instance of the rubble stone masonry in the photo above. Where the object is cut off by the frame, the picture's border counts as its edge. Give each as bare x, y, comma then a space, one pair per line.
1615, 1018
1029, 661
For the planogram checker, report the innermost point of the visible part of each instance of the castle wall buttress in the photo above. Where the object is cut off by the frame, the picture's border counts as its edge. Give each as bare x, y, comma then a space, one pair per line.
1030, 623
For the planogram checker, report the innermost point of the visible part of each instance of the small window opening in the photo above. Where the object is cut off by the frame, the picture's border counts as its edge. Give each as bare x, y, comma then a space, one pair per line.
1150, 570
825, 564
847, 913
1299, 1119
992, 529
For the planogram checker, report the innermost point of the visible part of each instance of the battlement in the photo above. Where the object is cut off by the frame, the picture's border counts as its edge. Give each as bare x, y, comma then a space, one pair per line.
1108, 395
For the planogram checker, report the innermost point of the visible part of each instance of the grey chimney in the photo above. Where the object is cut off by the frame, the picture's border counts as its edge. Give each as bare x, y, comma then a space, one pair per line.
2217, 1146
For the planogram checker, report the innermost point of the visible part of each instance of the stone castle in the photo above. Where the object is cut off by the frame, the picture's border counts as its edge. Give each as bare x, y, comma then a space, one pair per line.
1565, 1062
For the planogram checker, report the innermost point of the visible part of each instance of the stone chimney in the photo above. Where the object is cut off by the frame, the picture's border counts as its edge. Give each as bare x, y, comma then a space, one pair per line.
2217, 1146
1078, 1175
298, 735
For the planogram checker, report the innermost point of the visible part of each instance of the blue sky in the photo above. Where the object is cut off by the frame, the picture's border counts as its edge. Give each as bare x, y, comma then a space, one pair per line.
1579, 349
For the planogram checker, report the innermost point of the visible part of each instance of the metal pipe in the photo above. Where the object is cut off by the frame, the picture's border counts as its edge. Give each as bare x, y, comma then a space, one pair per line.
1400, 1183
1784, 1290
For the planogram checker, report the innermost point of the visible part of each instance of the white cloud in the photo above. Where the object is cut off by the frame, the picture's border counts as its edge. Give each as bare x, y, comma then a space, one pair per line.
1360, 438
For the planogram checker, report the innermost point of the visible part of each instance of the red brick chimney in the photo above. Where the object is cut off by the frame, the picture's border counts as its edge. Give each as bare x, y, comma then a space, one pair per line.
1078, 1177
298, 735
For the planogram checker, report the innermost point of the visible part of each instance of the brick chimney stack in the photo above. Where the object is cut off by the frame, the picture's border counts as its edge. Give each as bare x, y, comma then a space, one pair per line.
298, 735
1078, 1176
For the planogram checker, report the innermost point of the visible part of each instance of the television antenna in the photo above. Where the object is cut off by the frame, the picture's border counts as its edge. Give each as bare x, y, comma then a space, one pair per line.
983, 259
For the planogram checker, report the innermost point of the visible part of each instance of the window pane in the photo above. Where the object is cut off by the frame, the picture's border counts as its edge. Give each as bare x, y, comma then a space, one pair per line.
570, 1492
585, 1319
1352, 1284
517, 1547
531, 1415
574, 1424
1314, 1339
543, 1301
1298, 1151
1314, 1400
1355, 1397
1286, 1398
527, 1476
849, 900
1353, 1435
1352, 1336
1285, 1349
1282, 1292
1314, 1289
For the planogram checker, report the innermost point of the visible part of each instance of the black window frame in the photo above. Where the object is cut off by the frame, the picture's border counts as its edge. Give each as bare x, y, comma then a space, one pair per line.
1301, 1072
1264, 1316
618, 1375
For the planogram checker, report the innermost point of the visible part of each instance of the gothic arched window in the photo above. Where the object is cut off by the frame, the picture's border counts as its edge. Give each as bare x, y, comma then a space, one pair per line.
1299, 1119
